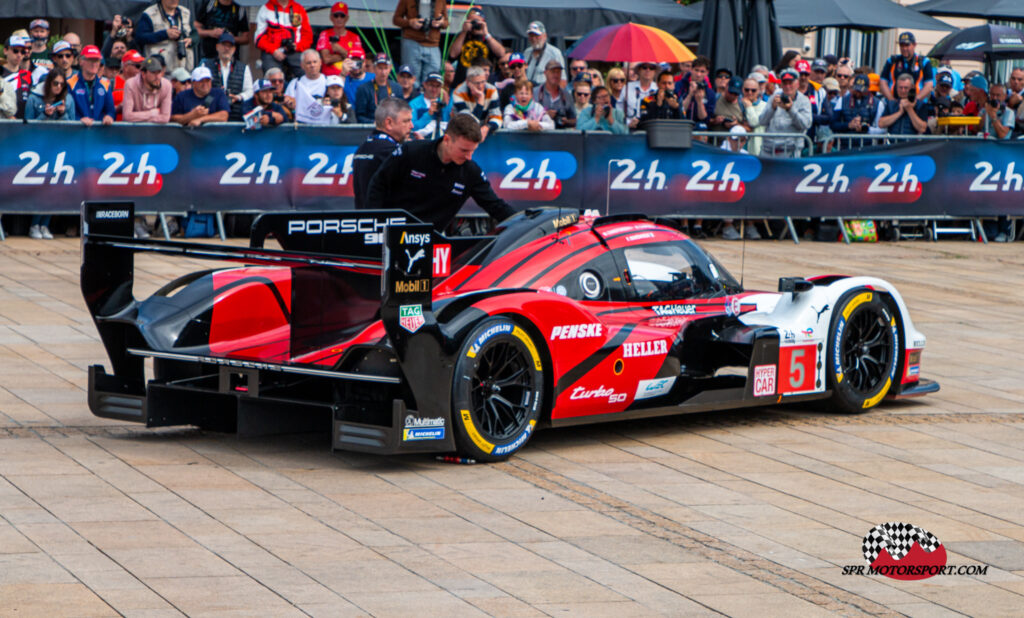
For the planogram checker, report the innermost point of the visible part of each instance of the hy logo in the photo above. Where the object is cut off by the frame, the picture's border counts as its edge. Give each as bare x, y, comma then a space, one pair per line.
903, 551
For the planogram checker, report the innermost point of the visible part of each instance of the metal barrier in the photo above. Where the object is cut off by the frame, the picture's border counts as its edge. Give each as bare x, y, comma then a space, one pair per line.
885, 139
718, 137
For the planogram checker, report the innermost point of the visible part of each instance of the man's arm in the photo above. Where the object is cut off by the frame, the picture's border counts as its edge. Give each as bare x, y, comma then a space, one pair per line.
386, 176
884, 86
480, 190
887, 121
363, 97
801, 112
920, 125
144, 32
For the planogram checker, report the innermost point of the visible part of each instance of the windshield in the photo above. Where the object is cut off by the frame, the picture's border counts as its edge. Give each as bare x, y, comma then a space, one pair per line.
675, 271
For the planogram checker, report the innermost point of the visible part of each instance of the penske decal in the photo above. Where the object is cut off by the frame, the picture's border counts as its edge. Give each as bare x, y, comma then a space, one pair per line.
576, 331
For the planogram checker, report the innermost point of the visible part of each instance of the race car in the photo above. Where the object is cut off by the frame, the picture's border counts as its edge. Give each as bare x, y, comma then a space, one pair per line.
402, 340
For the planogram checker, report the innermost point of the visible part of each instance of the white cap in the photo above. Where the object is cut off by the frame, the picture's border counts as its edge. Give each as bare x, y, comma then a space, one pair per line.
335, 80
737, 131
200, 73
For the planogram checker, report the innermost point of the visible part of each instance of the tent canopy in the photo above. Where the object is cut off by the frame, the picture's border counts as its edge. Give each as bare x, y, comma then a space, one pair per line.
991, 9
862, 14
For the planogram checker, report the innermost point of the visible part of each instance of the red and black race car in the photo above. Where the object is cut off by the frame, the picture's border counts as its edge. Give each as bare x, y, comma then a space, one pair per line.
403, 340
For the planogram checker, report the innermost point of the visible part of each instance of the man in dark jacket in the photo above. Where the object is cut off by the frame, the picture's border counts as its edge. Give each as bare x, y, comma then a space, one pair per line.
394, 122
433, 179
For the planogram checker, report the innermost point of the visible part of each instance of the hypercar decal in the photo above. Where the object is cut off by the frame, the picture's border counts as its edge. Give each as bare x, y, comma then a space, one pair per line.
576, 373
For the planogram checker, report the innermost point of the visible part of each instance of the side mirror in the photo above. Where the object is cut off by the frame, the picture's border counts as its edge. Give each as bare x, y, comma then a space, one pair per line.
795, 285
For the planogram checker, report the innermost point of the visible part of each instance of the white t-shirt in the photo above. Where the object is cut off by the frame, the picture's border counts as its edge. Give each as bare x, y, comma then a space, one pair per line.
634, 94
316, 87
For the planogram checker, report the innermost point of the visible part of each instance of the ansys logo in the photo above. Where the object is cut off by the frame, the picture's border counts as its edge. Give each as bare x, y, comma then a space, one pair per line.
907, 552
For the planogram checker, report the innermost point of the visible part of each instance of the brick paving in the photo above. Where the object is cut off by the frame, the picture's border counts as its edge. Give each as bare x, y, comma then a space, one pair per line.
747, 513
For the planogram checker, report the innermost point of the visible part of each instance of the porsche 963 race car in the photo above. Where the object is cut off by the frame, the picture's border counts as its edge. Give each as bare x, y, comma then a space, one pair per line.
402, 340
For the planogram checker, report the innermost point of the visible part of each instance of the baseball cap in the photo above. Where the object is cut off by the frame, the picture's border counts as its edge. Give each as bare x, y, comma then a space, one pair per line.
58, 47
664, 66
335, 80
259, 86
201, 73
382, 58
181, 74
112, 63
831, 84
583, 76
479, 11
802, 66
819, 65
357, 53
20, 41
830, 59
130, 56
773, 78
39, 23
979, 81
907, 38
536, 27
944, 78
789, 74
152, 65
874, 79
735, 85
722, 71
757, 77
405, 69
861, 82
737, 132
91, 51
226, 37
434, 77
339, 7
553, 64
516, 59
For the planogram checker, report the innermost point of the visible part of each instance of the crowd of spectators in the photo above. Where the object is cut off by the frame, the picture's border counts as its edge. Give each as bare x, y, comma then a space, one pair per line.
173, 66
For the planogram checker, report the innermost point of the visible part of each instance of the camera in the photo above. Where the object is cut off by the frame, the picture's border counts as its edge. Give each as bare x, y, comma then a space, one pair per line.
335, 102
993, 103
429, 23
182, 49
912, 95
478, 26
784, 99
334, 38
288, 45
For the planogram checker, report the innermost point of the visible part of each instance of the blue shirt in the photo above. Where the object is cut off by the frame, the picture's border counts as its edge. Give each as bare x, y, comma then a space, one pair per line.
95, 102
420, 112
352, 86
186, 100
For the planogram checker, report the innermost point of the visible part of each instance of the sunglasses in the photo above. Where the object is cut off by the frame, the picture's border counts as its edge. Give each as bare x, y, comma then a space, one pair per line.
617, 80
841, 76
339, 15
750, 90
646, 67
583, 94
277, 81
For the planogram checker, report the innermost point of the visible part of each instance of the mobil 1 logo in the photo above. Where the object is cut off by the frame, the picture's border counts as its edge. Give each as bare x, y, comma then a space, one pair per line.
409, 260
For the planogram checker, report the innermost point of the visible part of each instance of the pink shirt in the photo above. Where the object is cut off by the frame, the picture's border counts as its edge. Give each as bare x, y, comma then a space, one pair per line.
144, 105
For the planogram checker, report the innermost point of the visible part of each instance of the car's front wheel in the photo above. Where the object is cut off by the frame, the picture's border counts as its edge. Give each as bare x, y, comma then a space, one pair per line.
498, 390
863, 350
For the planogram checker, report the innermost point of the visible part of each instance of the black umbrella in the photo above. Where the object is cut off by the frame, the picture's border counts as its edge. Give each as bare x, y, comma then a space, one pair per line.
762, 43
986, 43
862, 14
720, 32
989, 9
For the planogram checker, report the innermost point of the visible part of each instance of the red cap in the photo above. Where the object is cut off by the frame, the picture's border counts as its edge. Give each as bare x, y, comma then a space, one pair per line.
339, 7
773, 78
91, 51
802, 66
131, 56
357, 53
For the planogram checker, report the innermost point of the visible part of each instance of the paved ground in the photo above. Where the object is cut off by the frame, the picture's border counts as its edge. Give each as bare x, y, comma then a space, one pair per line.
748, 513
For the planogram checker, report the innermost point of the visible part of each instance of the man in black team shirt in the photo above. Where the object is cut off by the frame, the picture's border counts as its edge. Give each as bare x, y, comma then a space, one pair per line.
432, 179
393, 118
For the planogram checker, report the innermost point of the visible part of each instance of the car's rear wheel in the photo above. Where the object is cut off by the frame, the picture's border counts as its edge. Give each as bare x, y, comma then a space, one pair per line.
498, 390
863, 346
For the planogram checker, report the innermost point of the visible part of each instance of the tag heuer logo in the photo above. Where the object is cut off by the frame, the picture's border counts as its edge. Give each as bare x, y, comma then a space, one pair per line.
410, 317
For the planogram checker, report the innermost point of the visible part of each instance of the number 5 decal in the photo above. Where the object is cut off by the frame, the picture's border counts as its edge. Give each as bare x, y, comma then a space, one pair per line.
798, 368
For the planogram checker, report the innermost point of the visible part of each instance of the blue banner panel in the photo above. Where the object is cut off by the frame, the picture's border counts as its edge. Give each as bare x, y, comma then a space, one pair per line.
53, 167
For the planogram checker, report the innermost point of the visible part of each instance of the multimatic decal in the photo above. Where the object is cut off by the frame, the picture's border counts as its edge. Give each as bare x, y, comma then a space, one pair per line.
573, 375
263, 281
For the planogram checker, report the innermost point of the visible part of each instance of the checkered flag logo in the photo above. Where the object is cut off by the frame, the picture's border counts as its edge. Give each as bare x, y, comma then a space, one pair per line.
897, 538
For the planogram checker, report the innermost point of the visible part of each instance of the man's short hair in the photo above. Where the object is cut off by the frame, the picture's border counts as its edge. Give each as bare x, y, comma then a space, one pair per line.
272, 72
464, 125
905, 77
482, 61
389, 108
310, 52
475, 71
663, 74
522, 83
701, 61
